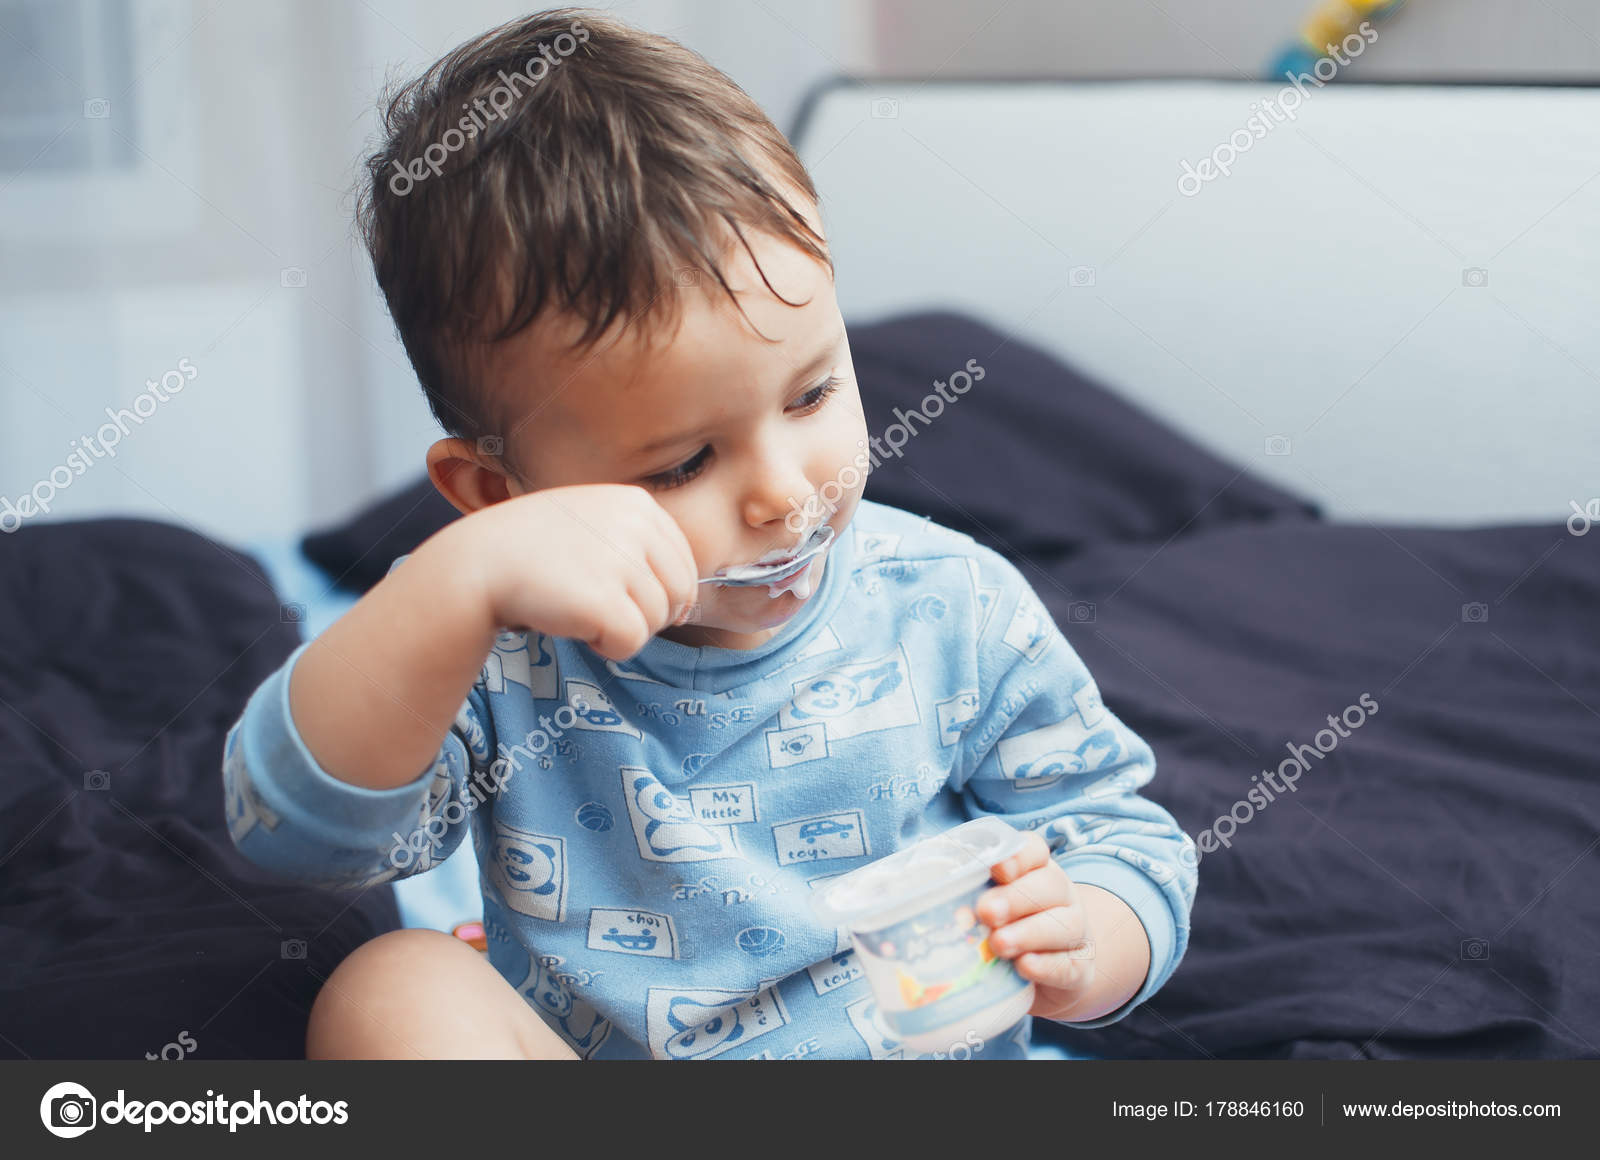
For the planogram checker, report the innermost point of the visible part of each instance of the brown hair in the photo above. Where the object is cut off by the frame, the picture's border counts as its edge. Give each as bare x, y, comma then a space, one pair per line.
590, 187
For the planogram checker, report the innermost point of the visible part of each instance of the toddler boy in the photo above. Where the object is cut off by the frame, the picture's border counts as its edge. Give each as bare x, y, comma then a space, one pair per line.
608, 269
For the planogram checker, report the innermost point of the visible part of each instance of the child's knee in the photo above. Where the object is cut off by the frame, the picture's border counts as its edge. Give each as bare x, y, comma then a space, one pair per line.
424, 994
368, 1008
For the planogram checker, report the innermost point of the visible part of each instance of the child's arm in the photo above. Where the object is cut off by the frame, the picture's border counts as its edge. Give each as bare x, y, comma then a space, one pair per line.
350, 764
1097, 908
603, 563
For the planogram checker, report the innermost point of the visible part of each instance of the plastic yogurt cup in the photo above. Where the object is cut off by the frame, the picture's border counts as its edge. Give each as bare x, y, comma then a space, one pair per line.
919, 940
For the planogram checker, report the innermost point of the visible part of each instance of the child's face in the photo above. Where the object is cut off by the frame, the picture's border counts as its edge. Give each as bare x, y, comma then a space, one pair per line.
733, 435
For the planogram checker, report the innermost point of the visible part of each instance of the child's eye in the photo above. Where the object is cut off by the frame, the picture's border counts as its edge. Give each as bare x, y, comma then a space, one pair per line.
681, 474
817, 395
677, 476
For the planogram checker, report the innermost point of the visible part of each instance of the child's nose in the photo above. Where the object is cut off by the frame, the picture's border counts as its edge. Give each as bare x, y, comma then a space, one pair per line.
776, 490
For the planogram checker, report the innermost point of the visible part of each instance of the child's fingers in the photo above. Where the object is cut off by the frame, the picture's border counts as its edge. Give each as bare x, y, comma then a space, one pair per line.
623, 633
671, 555
650, 598
1060, 928
1036, 890
1069, 971
1034, 853
671, 574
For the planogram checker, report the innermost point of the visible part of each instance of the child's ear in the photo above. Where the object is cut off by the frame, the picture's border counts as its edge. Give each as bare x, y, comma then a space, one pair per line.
470, 481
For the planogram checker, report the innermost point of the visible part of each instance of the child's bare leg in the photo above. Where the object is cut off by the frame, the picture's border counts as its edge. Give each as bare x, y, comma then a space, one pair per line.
422, 994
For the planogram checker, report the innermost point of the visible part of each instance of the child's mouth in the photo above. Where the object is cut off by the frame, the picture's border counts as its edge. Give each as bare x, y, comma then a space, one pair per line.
776, 570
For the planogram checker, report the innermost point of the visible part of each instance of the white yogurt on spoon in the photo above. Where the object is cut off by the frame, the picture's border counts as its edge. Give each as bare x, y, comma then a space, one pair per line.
781, 577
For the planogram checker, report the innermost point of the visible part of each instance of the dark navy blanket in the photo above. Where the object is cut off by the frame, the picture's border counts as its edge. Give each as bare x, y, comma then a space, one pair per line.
129, 924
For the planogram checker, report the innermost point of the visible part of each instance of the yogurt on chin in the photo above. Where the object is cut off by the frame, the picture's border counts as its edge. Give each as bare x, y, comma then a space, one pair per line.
802, 583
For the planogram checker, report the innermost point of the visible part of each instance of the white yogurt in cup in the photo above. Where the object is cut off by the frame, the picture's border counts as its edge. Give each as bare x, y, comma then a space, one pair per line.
918, 938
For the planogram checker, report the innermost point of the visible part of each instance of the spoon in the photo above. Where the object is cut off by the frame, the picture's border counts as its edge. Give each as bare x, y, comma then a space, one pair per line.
754, 575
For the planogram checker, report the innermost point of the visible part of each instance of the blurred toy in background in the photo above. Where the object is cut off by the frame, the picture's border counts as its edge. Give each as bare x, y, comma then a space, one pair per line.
1325, 29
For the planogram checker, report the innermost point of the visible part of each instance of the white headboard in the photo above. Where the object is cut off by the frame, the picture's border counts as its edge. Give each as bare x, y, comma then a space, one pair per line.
1400, 286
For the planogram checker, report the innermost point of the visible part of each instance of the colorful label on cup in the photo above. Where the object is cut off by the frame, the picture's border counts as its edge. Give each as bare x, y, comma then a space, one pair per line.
936, 968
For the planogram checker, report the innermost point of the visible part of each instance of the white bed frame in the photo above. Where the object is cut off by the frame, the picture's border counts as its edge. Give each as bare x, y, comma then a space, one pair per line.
1389, 304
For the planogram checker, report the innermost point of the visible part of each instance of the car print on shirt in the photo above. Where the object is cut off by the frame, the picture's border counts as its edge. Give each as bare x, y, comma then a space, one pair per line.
819, 839
811, 831
632, 932
838, 970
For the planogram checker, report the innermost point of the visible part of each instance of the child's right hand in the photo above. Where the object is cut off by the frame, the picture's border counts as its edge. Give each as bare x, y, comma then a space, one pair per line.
601, 563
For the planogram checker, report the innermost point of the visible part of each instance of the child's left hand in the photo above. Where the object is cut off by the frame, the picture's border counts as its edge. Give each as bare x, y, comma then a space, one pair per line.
1036, 920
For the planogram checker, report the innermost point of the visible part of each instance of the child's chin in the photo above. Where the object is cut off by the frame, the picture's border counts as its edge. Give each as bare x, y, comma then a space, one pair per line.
761, 610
